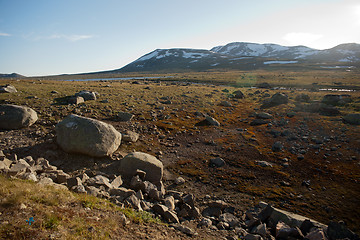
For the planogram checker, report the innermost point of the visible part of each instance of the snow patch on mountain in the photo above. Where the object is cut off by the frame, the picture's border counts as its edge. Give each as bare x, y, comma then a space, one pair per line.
148, 56
194, 55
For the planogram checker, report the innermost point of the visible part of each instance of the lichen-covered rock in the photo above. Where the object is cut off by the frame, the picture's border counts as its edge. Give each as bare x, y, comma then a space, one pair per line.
76, 134
15, 117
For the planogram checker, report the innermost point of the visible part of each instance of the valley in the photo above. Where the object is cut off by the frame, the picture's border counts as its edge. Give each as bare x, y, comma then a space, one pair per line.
299, 155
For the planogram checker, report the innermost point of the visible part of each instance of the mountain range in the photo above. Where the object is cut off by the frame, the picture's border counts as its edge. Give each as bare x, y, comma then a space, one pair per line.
242, 56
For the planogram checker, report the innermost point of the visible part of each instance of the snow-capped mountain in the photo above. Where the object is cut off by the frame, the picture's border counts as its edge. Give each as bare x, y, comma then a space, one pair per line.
265, 50
241, 55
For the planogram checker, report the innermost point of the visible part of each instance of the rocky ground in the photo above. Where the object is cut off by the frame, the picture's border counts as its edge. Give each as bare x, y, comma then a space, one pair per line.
293, 149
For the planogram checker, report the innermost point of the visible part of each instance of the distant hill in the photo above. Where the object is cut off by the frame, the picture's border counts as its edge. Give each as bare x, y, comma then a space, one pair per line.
11, 75
241, 56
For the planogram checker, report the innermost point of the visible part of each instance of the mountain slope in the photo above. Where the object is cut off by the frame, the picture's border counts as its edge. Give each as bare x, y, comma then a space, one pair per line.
241, 56
11, 75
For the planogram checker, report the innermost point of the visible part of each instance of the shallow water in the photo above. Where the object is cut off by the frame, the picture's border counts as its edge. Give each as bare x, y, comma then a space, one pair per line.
115, 79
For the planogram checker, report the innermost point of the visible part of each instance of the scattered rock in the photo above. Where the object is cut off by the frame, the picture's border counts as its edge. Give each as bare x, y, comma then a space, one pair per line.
130, 136
76, 134
15, 117
75, 100
184, 229
238, 94
179, 181
124, 116
217, 162
225, 104
263, 115
86, 95
212, 121
275, 100
277, 146
263, 85
336, 100
264, 164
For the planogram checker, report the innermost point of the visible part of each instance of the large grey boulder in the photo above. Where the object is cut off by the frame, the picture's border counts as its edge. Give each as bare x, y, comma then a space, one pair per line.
87, 95
76, 134
8, 89
336, 100
143, 161
275, 100
15, 117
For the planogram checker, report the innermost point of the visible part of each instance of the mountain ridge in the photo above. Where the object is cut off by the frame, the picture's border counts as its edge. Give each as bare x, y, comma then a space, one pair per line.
241, 55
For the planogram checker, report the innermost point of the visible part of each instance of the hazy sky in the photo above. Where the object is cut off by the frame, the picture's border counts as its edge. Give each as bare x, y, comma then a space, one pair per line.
44, 37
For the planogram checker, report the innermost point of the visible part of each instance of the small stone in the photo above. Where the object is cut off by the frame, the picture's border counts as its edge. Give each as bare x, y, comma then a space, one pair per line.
179, 181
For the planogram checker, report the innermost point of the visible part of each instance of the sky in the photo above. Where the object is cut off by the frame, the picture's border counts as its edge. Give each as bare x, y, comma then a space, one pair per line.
50, 37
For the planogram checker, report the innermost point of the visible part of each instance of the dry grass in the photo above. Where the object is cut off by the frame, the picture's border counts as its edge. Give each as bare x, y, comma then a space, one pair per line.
58, 214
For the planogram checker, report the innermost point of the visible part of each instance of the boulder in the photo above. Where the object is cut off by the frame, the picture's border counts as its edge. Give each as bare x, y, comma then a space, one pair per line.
263, 115
225, 104
217, 162
76, 134
143, 161
277, 146
124, 116
238, 94
275, 100
229, 219
75, 100
336, 100
15, 117
130, 136
8, 89
212, 121
263, 85
291, 219
122, 193
87, 95
338, 230
352, 118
